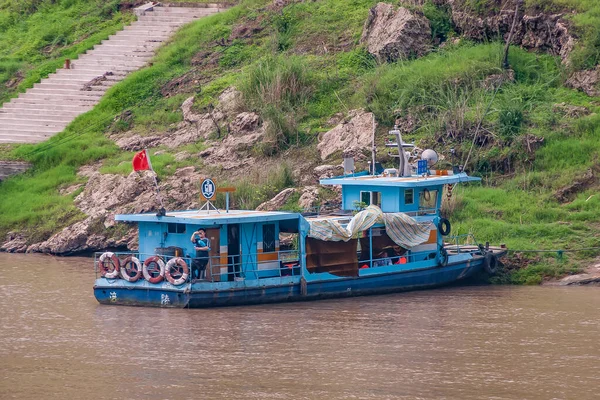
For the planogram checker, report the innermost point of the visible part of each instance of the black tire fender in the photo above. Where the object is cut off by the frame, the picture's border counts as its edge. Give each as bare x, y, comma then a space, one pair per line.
444, 227
443, 257
490, 263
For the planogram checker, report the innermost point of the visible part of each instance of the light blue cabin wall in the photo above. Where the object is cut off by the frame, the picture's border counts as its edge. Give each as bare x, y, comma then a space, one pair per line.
392, 198
150, 237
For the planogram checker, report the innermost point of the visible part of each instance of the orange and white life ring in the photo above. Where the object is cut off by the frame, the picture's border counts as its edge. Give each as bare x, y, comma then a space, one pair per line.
179, 268
109, 265
131, 270
151, 263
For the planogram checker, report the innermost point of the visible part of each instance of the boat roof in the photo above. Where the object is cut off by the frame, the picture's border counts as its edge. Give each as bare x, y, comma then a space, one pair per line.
403, 181
212, 217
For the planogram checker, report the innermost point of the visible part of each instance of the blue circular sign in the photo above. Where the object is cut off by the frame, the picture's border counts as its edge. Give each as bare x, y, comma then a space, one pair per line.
208, 189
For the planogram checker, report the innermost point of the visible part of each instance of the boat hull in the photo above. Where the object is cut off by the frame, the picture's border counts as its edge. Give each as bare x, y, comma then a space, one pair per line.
292, 289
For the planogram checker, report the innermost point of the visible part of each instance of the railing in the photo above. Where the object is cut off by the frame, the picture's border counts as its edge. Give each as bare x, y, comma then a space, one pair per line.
463, 243
286, 263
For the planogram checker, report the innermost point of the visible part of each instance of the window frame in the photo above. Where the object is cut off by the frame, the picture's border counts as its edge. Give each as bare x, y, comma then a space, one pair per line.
273, 245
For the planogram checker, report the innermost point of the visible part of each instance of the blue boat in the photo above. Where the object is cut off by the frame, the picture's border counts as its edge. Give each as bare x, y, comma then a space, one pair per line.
387, 237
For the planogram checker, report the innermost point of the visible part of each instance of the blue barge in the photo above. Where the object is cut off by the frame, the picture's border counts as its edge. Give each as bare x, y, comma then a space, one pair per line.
388, 237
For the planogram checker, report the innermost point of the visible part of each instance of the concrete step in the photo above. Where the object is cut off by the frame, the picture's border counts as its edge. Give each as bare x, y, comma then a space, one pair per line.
42, 128
61, 93
33, 109
152, 28
91, 72
167, 19
68, 104
42, 117
100, 68
30, 130
115, 61
104, 85
130, 41
139, 57
19, 137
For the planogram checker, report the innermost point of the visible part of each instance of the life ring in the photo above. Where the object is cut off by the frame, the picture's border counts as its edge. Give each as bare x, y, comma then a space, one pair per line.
426, 194
156, 261
444, 227
443, 257
131, 264
490, 263
105, 262
177, 264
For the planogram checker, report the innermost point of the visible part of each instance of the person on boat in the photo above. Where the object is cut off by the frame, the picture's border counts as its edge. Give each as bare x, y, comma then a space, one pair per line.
202, 246
382, 260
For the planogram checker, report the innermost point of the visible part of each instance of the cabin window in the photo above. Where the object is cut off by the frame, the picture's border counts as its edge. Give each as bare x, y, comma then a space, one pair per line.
268, 238
175, 228
369, 198
428, 200
409, 196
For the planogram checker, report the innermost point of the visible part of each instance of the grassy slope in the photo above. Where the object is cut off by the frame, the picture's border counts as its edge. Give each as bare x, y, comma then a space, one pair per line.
307, 64
37, 36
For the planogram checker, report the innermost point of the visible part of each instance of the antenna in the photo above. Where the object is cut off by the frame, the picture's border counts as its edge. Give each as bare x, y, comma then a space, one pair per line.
404, 167
373, 149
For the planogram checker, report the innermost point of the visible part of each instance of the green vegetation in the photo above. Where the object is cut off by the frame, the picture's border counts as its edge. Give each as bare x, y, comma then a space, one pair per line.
36, 36
302, 65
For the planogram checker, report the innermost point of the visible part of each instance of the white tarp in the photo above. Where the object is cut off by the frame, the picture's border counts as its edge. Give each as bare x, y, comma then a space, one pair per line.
404, 230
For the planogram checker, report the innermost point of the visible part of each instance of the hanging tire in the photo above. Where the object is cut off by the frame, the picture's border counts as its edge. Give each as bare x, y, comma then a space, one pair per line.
443, 257
131, 270
149, 269
109, 265
490, 263
177, 267
444, 227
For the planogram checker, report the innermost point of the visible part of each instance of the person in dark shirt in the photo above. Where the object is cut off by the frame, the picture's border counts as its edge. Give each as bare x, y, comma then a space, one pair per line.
202, 246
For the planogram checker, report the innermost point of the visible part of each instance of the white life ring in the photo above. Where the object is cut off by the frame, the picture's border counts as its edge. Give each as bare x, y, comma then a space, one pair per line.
161, 264
130, 264
112, 260
177, 263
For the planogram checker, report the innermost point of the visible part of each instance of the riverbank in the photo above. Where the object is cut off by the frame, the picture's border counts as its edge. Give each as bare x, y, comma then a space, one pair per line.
256, 96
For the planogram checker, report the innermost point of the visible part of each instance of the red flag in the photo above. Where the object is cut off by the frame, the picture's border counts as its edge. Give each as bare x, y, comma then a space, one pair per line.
141, 161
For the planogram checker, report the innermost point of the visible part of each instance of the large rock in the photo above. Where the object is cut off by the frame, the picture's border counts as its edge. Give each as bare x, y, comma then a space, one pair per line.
357, 132
15, 243
309, 197
392, 35
278, 201
328, 171
586, 81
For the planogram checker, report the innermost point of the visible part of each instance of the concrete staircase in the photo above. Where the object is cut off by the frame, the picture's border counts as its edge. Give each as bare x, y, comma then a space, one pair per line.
48, 107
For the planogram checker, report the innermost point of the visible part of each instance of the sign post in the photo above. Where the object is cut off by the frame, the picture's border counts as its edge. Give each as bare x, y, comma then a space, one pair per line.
208, 189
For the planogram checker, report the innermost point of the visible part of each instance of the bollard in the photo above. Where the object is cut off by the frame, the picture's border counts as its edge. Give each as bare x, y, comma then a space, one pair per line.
67, 64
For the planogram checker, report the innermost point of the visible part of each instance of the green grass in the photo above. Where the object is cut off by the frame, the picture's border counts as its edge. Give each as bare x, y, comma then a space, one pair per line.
37, 36
303, 67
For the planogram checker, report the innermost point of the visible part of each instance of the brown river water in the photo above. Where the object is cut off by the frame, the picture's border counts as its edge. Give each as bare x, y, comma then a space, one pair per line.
474, 342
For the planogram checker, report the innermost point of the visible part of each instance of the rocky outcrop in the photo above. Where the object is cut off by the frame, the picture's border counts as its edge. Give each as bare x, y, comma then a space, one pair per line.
328, 171
106, 195
591, 276
309, 197
536, 31
586, 81
357, 132
278, 201
567, 193
392, 35
15, 243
